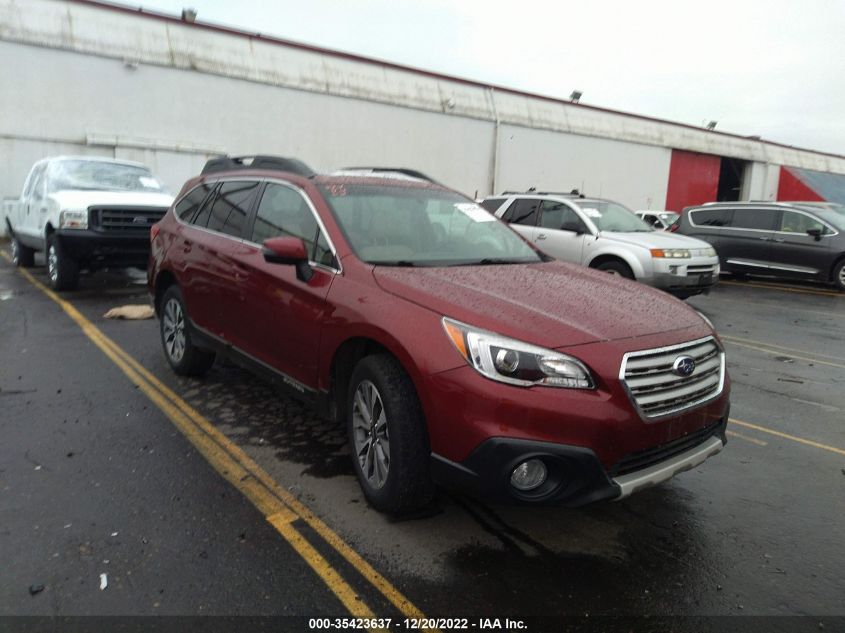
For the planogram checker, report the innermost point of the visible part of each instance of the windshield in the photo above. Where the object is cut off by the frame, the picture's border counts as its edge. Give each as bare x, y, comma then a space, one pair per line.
611, 216
405, 226
97, 175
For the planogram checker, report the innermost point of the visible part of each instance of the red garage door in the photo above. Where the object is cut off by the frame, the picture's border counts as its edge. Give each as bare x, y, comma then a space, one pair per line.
693, 179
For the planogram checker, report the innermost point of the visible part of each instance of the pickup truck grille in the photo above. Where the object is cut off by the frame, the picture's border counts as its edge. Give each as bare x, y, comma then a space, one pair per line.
658, 389
125, 220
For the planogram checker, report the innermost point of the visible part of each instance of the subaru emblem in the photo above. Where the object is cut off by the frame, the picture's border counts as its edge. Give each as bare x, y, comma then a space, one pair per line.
139, 220
684, 366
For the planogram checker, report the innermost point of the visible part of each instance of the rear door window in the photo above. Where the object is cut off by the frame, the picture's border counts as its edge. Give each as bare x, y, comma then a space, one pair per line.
756, 219
231, 206
711, 217
523, 212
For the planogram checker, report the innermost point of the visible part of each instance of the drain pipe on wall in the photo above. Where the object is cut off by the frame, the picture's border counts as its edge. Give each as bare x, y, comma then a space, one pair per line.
494, 180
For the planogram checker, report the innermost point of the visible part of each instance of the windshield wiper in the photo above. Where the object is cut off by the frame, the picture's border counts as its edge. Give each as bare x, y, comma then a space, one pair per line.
398, 262
493, 261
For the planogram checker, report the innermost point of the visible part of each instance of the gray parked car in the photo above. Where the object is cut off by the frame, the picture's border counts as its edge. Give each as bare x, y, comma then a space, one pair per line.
798, 240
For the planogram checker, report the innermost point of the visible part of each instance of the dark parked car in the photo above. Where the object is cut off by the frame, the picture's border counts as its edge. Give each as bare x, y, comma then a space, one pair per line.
451, 349
798, 240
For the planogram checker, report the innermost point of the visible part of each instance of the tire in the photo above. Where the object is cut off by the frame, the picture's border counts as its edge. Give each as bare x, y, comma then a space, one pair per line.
22, 256
839, 275
62, 270
396, 480
617, 268
185, 358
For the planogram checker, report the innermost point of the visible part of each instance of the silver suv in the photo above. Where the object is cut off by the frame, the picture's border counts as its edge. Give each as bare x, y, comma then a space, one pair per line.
608, 236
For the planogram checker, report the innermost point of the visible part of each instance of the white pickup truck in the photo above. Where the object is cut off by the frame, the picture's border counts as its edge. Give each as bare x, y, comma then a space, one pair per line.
85, 213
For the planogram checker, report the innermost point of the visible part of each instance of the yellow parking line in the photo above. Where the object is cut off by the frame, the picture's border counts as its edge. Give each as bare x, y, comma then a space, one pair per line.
769, 350
822, 293
277, 505
786, 436
736, 339
747, 439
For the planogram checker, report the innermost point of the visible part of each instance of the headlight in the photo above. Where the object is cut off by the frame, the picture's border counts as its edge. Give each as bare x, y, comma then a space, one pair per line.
671, 253
514, 362
709, 252
73, 220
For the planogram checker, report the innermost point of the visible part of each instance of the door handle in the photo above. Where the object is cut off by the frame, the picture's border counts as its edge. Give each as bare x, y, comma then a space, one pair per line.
187, 246
542, 236
43, 209
765, 239
779, 239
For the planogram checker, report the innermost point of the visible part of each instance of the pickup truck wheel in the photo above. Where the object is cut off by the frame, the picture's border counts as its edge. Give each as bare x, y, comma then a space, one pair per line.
619, 269
387, 436
62, 270
184, 356
22, 256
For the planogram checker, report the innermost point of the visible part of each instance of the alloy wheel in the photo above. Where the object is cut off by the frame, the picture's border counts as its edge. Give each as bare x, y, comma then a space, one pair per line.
369, 429
173, 330
53, 263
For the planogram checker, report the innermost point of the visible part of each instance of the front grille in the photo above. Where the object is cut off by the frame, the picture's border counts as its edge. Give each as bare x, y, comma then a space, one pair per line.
699, 270
650, 456
125, 220
658, 390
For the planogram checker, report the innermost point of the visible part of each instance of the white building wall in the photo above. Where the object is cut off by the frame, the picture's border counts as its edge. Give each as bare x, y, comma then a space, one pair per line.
173, 120
636, 175
760, 181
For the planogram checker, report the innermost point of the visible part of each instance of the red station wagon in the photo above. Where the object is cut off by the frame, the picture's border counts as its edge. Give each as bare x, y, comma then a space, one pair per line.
452, 350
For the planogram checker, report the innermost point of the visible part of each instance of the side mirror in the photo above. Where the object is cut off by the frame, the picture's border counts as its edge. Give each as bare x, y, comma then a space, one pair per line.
816, 233
288, 251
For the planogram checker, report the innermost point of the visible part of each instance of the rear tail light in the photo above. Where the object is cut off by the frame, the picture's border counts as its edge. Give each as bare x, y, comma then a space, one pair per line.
674, 227
154, 229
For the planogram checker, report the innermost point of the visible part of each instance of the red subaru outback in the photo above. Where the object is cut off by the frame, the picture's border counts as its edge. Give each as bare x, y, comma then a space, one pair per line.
452, 350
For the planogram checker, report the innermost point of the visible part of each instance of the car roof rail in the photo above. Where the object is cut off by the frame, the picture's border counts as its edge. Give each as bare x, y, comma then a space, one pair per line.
405, 171
273, 163
533, 192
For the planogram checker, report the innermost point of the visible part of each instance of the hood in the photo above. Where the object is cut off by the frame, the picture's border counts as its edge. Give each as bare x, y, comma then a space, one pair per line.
85, 199
655, 239
552, 304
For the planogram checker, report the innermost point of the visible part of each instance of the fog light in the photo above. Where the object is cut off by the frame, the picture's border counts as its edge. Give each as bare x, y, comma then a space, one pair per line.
528, 475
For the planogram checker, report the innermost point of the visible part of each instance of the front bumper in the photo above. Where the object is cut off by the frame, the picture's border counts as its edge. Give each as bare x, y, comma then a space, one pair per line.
480, 429
692, 276
576, 477
94, 248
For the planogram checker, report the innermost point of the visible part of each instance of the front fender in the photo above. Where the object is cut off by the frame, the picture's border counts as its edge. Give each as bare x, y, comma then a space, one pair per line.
640, 264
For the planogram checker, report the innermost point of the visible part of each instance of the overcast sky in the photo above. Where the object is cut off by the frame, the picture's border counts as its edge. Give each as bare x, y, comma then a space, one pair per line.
774, 68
